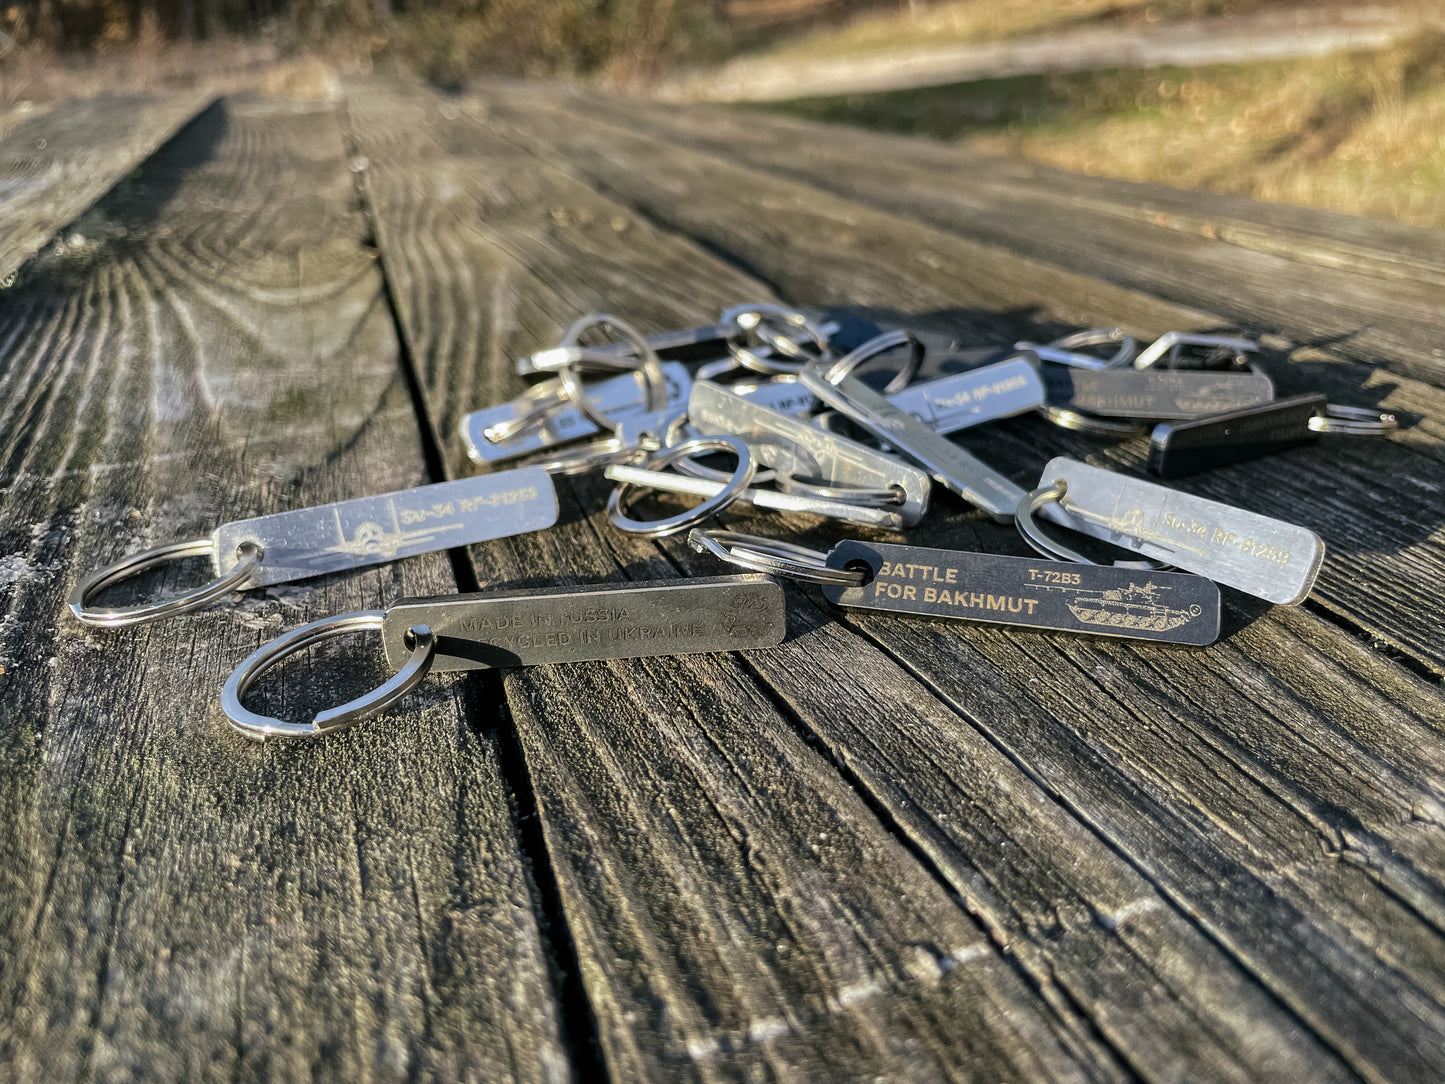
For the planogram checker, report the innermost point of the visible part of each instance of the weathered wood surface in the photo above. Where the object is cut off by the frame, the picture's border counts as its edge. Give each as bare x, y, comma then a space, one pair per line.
1378, 505
889, 848
57, 160
1216, 891
1374, 303
181, 904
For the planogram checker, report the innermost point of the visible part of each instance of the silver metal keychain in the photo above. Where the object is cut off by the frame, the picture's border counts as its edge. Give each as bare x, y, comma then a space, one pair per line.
1266, 557
294, 545
950, 465
1139, 604
1153, 394
1170, 347
491, 629
533, 423
810, 460
1069, 349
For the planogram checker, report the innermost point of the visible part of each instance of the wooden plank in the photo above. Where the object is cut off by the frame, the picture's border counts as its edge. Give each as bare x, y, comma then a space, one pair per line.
1082, 920
180, 903
1374, 503
1368, 246
714, 940
1380, 321
56, 162
1397, 732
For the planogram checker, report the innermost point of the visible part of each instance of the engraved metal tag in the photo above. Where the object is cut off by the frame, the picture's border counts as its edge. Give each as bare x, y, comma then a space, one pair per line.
1270, 558
804, 450
786, 397
955, 402
1100, 600
618, 397
950, 465
599, 621
1153, 393
1186, 447
390, 526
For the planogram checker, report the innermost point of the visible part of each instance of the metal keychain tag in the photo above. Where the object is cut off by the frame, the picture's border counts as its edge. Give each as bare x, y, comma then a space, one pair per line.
285, 546
1186, 447
373, 530
523, 628
1100, 600
617, 397
598, 621
950, 465
1154, 394
796, 448
1266, 557
948, 404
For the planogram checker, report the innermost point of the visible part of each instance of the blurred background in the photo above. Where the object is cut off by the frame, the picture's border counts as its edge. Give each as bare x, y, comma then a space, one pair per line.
1337, 106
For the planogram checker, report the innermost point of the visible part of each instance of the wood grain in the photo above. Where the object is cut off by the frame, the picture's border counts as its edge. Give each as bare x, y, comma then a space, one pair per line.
56, 161
638, 767
181, 904
1375, 303
1374, 502
715, 940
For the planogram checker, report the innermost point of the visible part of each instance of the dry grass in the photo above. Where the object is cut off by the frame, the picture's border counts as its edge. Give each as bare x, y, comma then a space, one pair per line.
962, 22
1361, 133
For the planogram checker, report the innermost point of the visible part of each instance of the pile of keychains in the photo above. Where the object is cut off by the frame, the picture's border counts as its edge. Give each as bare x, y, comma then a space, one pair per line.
780, 392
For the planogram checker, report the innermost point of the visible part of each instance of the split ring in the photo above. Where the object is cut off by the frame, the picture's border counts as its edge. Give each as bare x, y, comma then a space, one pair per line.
860, 496
785, 559
1034, 535
249, 556
736, 486
258, 727
876, 347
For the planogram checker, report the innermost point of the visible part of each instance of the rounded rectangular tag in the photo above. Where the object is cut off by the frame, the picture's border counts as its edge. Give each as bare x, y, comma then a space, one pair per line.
599, 621
1097, 600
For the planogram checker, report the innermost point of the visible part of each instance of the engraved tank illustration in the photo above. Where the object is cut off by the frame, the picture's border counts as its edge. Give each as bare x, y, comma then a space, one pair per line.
1134, 607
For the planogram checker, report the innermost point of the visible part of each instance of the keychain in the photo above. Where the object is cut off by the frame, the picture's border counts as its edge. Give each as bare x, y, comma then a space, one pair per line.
523, 628
305, 542
1099, 600
1186, 447
1153, 394
1269, 558
536, 421
950, 465
798, 451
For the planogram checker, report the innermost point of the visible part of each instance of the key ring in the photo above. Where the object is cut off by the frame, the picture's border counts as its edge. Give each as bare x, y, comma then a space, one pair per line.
875, 347
249, 556
258, 727
691, 467
744, 318
1034, 535
646, 362
1088, 423
785, 559
737, 484
1171, 342
592, 456
1357, 421
882, 497
1065, 350
1052, 548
